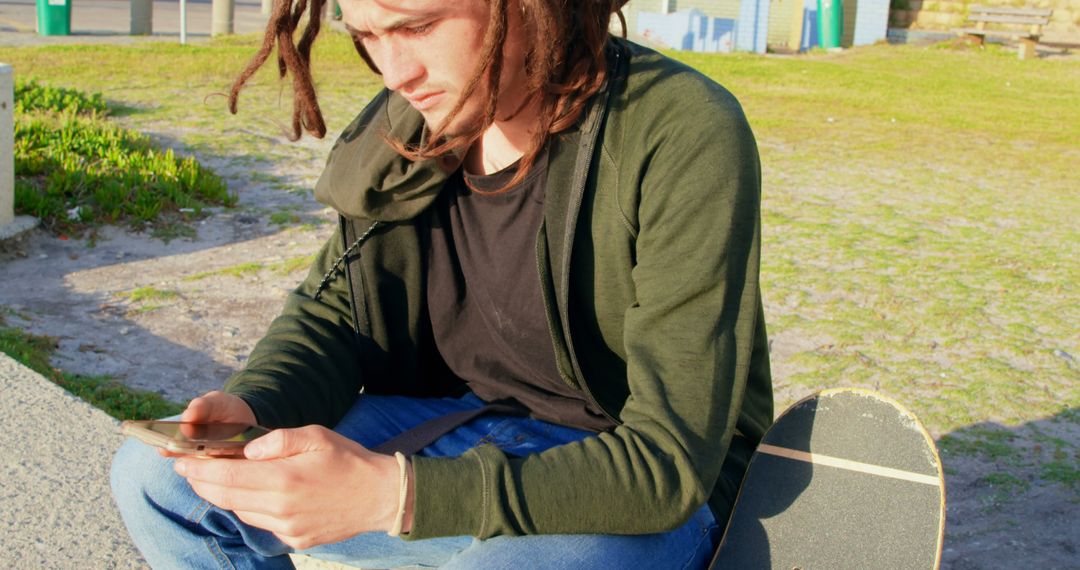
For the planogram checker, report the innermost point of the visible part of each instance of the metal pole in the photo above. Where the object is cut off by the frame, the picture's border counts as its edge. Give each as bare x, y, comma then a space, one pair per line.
7, 145
183, 22
221, 17
268, 7
10, 224
331, 9
142, 17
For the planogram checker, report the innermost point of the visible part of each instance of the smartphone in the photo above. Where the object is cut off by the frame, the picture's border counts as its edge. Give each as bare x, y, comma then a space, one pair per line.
210, 439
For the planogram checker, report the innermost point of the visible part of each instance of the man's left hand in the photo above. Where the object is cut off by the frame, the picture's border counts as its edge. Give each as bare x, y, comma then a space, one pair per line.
308, 486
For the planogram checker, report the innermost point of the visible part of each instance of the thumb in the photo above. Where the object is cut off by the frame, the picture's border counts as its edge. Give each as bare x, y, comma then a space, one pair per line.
282, 443
199, 409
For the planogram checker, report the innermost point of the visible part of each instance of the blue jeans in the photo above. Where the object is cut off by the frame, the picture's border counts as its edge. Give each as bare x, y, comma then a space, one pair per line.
175, 528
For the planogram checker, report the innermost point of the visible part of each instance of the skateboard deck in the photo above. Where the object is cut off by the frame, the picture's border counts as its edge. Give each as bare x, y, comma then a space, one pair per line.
845, 478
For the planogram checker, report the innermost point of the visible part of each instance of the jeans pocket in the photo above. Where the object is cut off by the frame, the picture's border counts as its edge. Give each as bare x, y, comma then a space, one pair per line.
708, 531
505, 435
520, 436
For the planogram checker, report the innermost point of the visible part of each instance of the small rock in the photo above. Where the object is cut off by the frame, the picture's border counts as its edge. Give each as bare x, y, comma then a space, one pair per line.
830, 120
1062, 354
124, 330
43, 256
229, 334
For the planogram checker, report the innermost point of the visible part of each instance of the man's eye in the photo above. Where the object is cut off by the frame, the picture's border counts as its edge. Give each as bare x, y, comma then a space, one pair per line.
418, 30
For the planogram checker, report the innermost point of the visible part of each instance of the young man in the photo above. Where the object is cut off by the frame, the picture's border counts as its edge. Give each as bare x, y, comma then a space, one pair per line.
533, 213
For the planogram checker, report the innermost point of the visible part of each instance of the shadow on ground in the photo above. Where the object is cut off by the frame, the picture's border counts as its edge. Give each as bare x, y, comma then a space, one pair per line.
1028, 476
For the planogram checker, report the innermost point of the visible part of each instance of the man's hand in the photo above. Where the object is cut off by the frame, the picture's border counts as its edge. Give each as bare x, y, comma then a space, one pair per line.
308, 486
216, 407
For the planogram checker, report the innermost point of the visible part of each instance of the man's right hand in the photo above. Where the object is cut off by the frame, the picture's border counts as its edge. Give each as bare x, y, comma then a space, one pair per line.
216, 407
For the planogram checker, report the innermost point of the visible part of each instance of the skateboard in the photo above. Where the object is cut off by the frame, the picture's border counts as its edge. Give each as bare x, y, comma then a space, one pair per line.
845, 478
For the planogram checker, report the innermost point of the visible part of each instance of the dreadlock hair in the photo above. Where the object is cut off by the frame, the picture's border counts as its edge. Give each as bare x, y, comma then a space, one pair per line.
565, 66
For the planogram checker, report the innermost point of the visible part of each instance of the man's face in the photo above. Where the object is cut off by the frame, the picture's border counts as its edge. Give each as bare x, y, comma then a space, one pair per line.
427, 50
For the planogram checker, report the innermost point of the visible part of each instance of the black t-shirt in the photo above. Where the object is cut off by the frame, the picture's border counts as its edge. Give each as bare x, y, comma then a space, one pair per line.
483, 292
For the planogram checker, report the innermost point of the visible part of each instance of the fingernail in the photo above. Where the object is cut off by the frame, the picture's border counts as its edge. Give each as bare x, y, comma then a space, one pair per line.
253, 451
180, 467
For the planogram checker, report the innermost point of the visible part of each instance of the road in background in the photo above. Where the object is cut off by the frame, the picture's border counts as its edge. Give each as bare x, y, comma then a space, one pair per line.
109, 21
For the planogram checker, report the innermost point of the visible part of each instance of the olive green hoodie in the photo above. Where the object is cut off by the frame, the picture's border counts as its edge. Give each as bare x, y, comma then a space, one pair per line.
648, 256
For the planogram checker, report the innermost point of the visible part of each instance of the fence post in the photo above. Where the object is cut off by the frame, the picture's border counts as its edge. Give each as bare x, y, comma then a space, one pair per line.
267, 7
9, 224
142, 17
221, 17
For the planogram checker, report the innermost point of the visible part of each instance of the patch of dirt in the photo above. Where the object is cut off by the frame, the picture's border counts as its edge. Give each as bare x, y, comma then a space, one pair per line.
190, 341
1003, 512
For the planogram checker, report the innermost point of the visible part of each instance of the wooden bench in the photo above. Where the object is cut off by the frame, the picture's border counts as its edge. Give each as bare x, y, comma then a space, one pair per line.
1026, 25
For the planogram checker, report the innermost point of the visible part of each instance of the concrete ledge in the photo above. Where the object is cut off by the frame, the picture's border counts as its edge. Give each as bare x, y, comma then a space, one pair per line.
17, 226
55, 503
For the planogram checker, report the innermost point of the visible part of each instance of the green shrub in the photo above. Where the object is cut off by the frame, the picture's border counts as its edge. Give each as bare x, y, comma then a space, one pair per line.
73, 168
31, 96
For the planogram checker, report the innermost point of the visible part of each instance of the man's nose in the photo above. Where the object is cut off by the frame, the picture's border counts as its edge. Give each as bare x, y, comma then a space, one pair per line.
399, 66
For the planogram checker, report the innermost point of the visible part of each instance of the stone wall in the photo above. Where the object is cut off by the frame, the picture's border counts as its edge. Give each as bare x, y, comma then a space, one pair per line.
947, 14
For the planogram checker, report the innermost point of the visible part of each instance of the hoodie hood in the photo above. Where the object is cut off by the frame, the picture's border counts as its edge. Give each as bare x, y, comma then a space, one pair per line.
366, 178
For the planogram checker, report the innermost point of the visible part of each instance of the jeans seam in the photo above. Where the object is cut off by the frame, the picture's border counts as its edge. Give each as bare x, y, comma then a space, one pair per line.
195, 516
218, 554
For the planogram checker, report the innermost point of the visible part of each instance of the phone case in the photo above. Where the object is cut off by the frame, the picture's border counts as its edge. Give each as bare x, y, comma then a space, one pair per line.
140, 430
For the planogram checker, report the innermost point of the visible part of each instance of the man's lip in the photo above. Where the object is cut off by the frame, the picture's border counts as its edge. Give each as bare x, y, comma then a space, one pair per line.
424, 101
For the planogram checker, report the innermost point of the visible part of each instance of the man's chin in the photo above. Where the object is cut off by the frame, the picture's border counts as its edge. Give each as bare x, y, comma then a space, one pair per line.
461, 125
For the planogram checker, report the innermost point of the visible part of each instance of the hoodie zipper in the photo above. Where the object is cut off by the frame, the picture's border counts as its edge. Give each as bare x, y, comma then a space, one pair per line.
341, 264
585, 152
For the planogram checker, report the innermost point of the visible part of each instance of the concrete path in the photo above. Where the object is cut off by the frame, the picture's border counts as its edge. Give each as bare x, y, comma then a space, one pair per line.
56, 508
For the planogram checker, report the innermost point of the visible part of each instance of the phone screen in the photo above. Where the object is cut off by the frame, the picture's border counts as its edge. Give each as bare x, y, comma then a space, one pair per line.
197, 433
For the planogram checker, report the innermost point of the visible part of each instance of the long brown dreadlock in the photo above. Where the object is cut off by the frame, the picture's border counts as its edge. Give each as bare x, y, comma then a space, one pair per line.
565, 66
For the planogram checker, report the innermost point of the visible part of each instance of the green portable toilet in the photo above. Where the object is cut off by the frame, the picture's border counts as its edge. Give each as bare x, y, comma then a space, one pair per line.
830, 15
54, 17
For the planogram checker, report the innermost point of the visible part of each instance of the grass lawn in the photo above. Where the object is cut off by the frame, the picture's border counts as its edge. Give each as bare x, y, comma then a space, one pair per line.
920, 203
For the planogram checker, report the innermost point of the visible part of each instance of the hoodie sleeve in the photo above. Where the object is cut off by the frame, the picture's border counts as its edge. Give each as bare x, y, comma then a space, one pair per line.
290, 379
